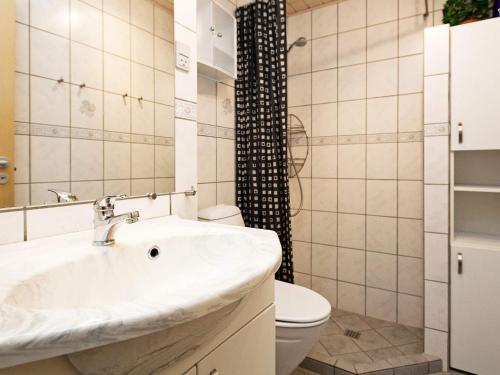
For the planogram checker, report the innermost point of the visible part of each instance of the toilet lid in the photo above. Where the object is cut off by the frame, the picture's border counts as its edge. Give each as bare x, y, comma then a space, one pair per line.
296, 304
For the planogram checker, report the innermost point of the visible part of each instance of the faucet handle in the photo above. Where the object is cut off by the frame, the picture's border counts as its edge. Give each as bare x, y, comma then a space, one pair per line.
63, 196
107, 202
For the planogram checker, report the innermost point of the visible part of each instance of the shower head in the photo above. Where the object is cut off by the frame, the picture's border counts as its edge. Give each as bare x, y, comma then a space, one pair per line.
300, 42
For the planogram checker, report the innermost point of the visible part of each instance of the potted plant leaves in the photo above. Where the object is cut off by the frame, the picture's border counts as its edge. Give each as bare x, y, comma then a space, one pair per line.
458, 12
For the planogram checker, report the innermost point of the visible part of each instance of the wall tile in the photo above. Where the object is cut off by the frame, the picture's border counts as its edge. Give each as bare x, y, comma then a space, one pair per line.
87, 190
436, 305
299, 59
436, 160
436, 99
12, 224
164, 88
117, 8
86, 24
295, 194
301, 226
40, 194
352, 117
302, 256
164, 162
324, 54
116, 160
381, 234
164, 23
351, 297
143, 82
380, 11
352, 161
207, 195
86, 160
225, 105
411, 112
351, 265
116, 74
382, 115
324, 119
186, 173
381, 197
49, 55
49, 159
382, 41
324, 86
382, 78
382, 161
22, 158
409, 8
324, 261
225, 160
299, 90
141, 13
381, 270
324, 161
142, 117
410, 310
437, 47
143, 161
410, 199
116, 113
410, 237
50, 15
381, 304
86, 65
411, 35
324, 194
436, 208
436, 343
22, 48
299, 25
74, 218
327, 288
207, 101
49, 102
164, 55
207, 159
324, 227
352, 15
411, 72
352, 47
351, 231
410, 161
185, 13
351, 196
352, 82
324, 21
436, 257
410, 275
116, 36
226, 193
141, 46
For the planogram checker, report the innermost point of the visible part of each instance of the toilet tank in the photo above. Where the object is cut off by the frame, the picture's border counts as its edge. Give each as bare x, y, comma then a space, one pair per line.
222, 214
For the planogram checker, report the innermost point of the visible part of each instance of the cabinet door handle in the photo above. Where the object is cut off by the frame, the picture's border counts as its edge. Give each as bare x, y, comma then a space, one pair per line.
212, 28
219, 35
460, 259
460, 133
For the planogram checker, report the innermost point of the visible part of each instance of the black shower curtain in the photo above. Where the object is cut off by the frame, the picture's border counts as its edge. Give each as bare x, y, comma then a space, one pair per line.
262, 191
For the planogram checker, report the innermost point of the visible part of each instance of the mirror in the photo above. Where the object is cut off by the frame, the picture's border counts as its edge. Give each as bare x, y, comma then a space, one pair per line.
94, 100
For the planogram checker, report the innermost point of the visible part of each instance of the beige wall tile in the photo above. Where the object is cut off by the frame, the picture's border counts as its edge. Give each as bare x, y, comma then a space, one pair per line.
302, 256
324, 21
324, 120
226, 193
207, 159
381, 197
351, 297
86, 160
50, 159
299, 60
410, 275
436, 257
143, 161
207, 101
410, 237
381, 304
352, 82
411, 35
352, 196
295, 195
324, 53
299, 25
410, 199
324, 163
436, 152
410, 310
352, 161
324, 227
436, 305
352, 15
436, 343
225, 159
380, 11
382, 160
302, 279
351, 265
324, 261
301, 226
381, 270
382, 115
207, 195
436, 208
299, 90
352, 47
382, 78
352, 117
324, 194
411, 73
351, 231
382, 41
324, 86
411, 112
381, 234
327, 288
410, 161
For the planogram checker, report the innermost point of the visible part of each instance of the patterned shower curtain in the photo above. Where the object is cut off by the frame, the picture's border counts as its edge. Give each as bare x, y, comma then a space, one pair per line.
262, 191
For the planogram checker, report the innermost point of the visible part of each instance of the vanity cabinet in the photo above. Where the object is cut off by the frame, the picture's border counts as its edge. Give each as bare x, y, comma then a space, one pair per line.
475, 79
216, 41
249, 351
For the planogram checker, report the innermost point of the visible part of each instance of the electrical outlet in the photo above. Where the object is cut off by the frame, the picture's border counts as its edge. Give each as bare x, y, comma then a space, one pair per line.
182, 56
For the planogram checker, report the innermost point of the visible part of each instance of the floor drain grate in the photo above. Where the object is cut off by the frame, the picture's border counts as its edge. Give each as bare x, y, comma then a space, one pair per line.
352, 333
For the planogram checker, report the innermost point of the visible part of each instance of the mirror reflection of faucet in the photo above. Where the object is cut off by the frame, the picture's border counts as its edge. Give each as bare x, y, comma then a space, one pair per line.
63, 196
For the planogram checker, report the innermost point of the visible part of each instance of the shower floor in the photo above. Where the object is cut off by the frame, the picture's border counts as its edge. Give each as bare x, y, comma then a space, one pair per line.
357, 344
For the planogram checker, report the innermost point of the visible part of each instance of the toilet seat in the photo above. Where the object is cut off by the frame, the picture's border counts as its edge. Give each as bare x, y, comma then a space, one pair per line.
299, 307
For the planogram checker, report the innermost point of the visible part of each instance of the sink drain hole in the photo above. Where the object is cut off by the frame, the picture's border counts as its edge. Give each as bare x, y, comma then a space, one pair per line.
154, 252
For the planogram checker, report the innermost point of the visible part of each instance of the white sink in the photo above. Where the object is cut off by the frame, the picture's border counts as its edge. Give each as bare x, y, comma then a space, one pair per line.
62, 295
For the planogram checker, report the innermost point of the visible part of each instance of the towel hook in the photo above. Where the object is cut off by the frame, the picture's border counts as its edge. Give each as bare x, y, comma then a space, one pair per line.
60, 80
82, 85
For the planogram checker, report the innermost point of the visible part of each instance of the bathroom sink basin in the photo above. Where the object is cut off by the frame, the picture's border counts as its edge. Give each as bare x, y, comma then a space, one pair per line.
61, 295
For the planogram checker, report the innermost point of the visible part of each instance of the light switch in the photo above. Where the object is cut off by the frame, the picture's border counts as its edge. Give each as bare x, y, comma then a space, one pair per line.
182, 56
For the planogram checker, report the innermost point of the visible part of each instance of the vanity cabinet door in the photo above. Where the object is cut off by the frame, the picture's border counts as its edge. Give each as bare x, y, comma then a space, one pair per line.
249, 351
475, 79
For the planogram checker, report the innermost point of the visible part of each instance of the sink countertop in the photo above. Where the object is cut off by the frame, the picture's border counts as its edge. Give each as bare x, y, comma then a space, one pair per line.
60, 295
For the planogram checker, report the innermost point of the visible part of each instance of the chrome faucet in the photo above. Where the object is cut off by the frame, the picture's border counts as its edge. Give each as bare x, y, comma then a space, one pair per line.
105, 220
63, 196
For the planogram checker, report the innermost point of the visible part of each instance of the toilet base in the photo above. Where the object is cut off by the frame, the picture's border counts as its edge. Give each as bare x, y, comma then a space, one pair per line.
293, 345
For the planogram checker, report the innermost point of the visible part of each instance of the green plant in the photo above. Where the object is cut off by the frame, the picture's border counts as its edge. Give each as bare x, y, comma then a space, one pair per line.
457, 11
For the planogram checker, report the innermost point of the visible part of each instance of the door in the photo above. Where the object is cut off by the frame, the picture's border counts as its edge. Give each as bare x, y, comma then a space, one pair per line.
7, 91
250, 351
475, 78
475, 310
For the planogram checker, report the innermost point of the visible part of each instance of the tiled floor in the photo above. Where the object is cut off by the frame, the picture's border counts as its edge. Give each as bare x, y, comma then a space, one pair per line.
380, 345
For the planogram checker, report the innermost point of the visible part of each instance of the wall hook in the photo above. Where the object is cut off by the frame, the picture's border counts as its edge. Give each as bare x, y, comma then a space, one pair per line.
82, 85
140, 98
60, 80
125, 95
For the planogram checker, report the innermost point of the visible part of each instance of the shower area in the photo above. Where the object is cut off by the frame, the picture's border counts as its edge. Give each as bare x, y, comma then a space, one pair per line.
355, 164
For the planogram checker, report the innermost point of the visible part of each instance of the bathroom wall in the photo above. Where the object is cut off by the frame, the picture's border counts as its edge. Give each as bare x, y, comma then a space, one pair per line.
116, 134
358, 88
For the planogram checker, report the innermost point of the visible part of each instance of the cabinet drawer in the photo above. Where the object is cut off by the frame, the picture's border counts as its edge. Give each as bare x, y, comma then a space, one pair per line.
249, 351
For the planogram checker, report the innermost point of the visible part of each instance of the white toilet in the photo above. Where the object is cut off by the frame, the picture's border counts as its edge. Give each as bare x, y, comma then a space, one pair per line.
301, 314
